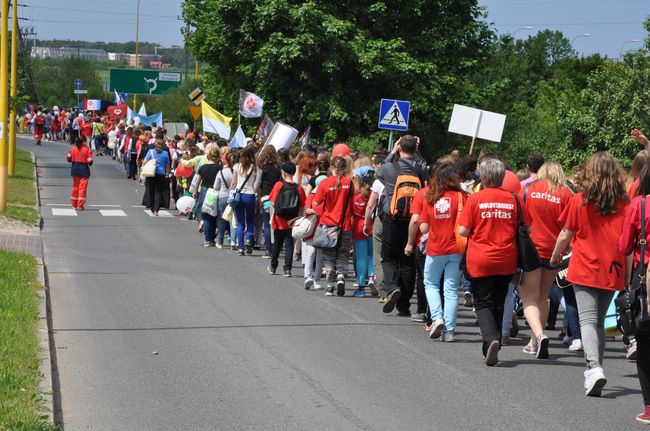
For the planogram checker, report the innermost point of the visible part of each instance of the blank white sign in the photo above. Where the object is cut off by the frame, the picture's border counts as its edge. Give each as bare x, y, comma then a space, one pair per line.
476, 122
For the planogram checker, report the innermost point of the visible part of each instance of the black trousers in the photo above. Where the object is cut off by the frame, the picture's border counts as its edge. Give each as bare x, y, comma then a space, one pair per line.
420, 258
643, 361
489, 297
282, 237
399, 269
156, 189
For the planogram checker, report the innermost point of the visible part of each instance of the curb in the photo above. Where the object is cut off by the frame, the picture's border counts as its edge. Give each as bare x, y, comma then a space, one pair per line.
46, 343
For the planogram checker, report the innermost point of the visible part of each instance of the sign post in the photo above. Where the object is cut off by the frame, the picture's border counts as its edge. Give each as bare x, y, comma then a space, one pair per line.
394, 115
78, 83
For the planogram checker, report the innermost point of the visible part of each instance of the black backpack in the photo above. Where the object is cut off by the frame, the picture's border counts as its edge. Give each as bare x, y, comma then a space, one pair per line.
287, 203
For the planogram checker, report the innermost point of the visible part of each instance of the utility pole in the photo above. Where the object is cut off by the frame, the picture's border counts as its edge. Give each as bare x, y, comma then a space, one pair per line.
137, 44
4, 99
14, 85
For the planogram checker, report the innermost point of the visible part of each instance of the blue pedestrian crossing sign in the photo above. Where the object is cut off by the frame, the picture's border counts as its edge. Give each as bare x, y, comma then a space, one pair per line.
394, 114
78, 83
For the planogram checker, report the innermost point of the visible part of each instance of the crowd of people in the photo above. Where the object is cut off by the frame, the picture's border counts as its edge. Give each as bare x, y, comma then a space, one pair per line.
456, 225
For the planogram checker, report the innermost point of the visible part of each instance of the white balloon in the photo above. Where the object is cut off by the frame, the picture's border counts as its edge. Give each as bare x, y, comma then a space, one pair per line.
185, 204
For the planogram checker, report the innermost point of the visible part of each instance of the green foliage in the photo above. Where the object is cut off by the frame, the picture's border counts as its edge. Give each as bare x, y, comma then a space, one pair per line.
328, 63
55, 80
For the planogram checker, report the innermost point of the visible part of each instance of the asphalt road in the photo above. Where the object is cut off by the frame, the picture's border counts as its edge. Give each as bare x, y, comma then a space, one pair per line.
237, 349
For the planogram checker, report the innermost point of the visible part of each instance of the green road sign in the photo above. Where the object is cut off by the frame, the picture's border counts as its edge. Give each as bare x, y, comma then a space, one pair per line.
143, 81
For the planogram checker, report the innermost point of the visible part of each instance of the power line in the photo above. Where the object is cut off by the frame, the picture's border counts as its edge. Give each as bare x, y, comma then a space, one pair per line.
560, 24
97, 12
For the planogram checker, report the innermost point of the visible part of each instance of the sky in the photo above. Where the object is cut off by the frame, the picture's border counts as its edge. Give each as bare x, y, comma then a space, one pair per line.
610, 23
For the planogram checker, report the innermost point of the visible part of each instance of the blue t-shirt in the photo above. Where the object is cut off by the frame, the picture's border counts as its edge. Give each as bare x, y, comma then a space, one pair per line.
162, 160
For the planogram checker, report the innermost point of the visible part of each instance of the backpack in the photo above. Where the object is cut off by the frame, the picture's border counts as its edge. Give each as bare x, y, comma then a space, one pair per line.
287, 203
406, 187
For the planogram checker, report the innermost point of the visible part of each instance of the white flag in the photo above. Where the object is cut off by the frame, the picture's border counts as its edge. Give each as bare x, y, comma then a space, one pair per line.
250, 104
239, 140
143, 110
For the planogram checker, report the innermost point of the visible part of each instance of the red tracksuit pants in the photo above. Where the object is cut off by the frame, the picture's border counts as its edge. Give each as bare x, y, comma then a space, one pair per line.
78, 195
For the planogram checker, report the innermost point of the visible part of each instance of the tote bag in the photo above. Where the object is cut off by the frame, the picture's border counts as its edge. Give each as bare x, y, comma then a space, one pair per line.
210, 202
327, 237
149, 169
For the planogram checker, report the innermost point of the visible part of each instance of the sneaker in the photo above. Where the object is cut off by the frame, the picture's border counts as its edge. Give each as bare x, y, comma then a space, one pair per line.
340, 285
287, 273
329, 291
419, 317
373, 286
360, 293
317, 286
219, 246
530, 349
505, 340
576, 346
448, 337
269, 268
241, 252
644, 417
233, 247
249, 247
382, 300
469, 299
298, 257
309, 283
207, 244
594, 382
566, 340
391, 299
630, 351
492, 354
267, 255
542, 347
514, 330
437, 328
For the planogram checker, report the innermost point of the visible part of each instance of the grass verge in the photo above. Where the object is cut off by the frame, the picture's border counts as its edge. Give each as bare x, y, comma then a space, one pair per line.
21, 404
20, 193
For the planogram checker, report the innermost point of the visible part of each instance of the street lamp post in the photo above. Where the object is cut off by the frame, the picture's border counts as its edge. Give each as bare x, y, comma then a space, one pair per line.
4, 101
625, 43
578, 37
137, 42
13, 88
528, 27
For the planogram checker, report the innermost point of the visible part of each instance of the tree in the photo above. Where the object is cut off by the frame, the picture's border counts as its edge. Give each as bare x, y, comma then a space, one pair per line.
328, 63
55, 80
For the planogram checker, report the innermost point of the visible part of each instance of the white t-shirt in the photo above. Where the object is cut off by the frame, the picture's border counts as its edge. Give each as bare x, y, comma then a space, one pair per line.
249, 188
378, 187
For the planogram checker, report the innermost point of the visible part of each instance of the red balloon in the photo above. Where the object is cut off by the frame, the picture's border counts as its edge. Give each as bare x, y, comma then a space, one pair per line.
511, 182
183, 171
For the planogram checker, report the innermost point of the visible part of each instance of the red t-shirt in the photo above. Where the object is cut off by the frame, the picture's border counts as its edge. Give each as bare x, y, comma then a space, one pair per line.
418, 204
80, 155
629, 240
278, 222
329, 202
596, 260
633, 187
545, 208
87, 129
441, 218
359, 205
491, 216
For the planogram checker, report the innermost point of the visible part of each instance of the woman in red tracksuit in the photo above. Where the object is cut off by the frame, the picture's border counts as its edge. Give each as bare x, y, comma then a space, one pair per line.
81, 158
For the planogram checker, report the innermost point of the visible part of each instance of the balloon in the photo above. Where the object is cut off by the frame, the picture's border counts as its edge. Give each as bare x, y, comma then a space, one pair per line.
185, 204
183, 171
511, 182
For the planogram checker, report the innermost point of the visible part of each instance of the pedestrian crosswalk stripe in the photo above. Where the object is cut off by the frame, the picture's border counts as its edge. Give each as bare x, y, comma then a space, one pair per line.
161, 213
112, 213
69, 212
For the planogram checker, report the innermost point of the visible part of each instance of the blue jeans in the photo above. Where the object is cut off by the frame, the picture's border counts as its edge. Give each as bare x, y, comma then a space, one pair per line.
509, 306
572, 319
266, 226
245, 219
222, 203
365, 260
434, 268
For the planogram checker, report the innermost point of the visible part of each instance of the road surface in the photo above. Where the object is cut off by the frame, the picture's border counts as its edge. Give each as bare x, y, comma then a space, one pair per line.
155, 332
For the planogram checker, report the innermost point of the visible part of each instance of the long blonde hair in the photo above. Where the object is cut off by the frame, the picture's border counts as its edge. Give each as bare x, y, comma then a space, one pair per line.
602, 182
553, 174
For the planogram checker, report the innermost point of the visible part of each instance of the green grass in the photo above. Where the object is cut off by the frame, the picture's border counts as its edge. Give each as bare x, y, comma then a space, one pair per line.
21, 405
20, 193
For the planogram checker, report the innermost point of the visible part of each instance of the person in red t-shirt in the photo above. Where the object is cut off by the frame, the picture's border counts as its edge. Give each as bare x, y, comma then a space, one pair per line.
637, 165
444, 202
629, 245
81, 158
39, 127
333, 203
363, 252
285, 190
546, 200
594, 221
489, 219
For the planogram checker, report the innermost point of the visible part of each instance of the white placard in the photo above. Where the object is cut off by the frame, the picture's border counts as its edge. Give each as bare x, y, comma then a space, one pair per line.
477, 123
282, 136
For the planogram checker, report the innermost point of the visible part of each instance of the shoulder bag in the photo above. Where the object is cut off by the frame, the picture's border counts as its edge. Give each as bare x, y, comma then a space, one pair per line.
235, 196
149, 169
631, 304
329, 237
528, 258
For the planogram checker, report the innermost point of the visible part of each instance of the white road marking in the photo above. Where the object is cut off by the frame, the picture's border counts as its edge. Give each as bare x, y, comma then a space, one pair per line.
161, 213
106, 206
69, 212
137, 206
112, 213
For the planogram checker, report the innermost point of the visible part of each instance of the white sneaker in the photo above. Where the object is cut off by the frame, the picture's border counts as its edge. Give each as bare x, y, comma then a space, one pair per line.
630, 351
436, 328
316, 286
594, 382
576, 346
